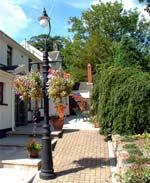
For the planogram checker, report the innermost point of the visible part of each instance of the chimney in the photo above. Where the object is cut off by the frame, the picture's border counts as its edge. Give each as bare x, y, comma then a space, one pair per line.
89, 73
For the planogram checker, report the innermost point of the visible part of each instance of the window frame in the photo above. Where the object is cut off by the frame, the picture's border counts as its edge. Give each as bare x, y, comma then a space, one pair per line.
29, 64
1, 92
9, 55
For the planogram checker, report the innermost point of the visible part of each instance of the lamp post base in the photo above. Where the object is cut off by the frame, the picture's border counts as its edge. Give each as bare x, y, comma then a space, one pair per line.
47, 175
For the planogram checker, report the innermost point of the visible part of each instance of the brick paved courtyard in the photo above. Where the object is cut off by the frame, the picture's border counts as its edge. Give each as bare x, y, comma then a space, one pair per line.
81, 157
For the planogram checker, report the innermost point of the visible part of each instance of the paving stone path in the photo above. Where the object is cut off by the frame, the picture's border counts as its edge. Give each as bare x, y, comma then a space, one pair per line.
81, 156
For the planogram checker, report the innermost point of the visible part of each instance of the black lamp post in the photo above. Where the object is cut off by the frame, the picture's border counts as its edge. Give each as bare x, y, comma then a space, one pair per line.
47, 171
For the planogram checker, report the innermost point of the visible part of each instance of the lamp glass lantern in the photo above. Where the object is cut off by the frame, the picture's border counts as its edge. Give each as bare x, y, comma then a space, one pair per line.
44, 20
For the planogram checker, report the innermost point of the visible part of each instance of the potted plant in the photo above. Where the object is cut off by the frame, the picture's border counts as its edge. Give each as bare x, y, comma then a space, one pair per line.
59, 86
33, 148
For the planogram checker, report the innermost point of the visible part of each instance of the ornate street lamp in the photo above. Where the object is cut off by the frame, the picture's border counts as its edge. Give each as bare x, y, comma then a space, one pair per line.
47, 171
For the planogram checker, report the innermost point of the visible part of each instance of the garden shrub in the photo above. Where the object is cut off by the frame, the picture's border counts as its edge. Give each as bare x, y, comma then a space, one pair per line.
137, 174
122, 100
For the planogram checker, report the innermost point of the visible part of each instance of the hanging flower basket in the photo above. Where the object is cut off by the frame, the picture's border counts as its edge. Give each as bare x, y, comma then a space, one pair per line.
28, 86
58, 85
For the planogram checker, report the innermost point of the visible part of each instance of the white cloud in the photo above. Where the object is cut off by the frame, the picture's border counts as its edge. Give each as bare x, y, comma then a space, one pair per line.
34, 6
128, 4
78, 4
30, 3
12, 18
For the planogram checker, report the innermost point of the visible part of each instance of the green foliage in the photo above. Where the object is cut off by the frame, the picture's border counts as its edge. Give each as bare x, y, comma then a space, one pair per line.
141, 136
123, 100
39, 42
139, 149
129, 138
145, 1
139, 171
135, 155
126, 54
106, 33
71, 54
137, 174
33, 146
130, 146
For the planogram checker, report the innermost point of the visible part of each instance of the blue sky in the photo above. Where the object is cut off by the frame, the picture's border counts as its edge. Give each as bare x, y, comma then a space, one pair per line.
18, 18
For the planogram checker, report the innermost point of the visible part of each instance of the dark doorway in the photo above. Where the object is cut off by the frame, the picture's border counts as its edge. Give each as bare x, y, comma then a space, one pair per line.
20, 116
72, 104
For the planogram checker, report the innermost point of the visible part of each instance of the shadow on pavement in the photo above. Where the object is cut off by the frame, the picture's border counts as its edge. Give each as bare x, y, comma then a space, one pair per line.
85, 163
70, 130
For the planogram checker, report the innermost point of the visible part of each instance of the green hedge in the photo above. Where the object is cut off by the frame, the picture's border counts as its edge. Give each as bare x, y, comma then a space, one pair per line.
121, 97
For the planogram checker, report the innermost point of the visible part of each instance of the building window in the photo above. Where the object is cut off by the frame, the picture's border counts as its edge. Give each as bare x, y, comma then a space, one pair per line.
30, 64
9, 56
38, 67
1, 92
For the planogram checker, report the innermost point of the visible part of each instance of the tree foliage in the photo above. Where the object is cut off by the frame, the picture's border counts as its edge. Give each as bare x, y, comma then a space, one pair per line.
126, 54
101, 33
147, 2
39, 42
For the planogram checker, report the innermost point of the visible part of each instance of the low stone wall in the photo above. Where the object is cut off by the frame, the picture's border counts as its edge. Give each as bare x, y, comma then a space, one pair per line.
121, 156
133, 149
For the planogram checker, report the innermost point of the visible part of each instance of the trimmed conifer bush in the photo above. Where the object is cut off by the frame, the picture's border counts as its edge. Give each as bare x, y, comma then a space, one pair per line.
121, 97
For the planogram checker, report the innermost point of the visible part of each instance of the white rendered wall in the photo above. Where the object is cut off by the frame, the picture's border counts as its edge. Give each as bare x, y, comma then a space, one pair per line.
7, 111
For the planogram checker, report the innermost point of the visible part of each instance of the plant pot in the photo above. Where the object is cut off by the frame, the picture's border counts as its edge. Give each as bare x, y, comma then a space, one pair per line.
33, 154
57, 123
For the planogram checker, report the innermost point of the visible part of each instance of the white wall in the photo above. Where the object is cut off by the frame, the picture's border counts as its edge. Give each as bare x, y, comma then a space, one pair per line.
19, 57
7, 111
3, 53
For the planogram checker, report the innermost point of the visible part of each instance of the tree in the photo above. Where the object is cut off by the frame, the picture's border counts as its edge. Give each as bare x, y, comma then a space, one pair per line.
100, 32
39, 42
148, 5
126, 54
146, 1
